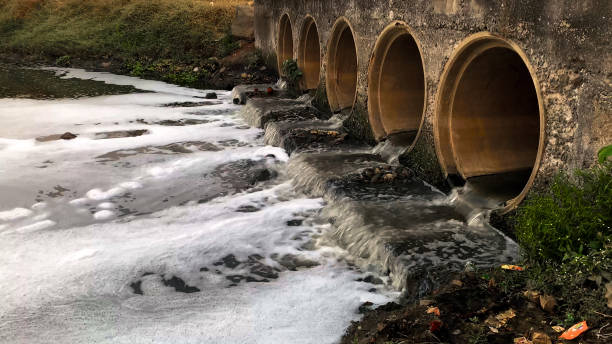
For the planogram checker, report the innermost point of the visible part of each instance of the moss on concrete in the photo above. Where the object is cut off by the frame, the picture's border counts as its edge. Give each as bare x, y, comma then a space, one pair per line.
357, 124
423, 161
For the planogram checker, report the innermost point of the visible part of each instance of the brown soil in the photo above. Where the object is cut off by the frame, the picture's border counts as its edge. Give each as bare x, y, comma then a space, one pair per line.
468, 311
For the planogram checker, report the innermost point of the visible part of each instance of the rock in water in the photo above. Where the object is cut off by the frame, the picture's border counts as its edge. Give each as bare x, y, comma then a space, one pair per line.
211, 95
68, 136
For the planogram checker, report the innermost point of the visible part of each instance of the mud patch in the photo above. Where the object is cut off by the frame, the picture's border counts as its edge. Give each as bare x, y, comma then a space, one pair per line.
192, 104
121, 134
232, 143
173, 148
56, 137
175, 123
16, 82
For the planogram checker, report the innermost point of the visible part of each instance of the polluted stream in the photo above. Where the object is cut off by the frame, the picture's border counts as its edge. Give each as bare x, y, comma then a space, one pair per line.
134, 211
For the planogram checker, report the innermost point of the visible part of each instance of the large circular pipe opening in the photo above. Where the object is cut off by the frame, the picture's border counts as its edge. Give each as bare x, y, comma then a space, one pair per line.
489, 120
396, 91
341, 73
285, 42
309, 55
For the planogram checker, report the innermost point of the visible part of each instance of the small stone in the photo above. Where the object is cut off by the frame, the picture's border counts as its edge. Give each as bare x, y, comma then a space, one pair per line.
196, 69
211, 95
365, 307
532, 296
425, 302
541, 338
457, 283
372, 279
68, 136
548, 303
456, 332
230, 261
222, 70
295, 223
388, 177
263, 68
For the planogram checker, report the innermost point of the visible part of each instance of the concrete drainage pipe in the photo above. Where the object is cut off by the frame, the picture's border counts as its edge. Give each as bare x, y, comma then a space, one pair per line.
396, 84
285, 42
309, 55
342, 64
489, 124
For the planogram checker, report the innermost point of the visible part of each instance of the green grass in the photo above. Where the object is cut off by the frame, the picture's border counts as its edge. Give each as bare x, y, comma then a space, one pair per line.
566, 236
572, 219
182, 30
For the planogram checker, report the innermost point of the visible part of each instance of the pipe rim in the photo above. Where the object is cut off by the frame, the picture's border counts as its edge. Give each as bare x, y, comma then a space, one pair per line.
307, 25
284, 19
386, 39
341, 24
444, 107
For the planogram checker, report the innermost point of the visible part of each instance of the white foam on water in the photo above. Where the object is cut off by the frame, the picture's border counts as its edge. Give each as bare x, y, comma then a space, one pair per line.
101, 195
106, 205
14, 214
37, 226
104, 215
67, 273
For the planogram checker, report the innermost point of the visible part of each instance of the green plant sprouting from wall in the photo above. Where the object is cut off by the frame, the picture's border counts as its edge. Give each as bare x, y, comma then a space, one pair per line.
292, 73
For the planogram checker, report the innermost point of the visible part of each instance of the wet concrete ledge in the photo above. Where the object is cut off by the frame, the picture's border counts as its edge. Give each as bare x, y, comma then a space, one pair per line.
391, 221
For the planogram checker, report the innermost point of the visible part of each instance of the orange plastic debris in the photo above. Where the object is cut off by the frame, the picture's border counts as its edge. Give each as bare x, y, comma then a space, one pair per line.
434, 310
512, 267
574, 331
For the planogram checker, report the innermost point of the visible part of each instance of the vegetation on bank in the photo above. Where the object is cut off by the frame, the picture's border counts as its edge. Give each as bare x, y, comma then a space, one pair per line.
574, 217
156, 29
178, 41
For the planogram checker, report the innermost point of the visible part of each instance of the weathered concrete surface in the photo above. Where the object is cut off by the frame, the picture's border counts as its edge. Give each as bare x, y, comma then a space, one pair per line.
566, 42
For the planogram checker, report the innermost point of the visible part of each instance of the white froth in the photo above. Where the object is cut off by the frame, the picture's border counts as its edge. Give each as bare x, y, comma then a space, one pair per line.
66, 276
14, 214
100, 195
104, 215
106, 205
37, 226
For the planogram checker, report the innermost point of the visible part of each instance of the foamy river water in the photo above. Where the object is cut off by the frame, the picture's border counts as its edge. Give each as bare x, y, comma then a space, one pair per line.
166, 220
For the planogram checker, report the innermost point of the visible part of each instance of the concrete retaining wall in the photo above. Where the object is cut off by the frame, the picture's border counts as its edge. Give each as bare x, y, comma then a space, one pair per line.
566, 43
